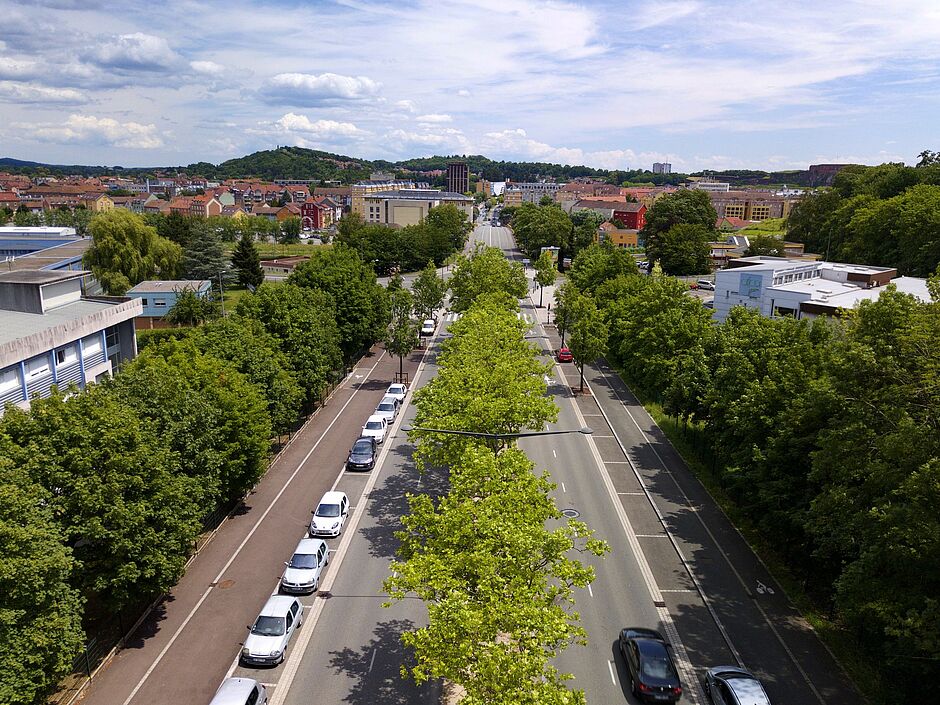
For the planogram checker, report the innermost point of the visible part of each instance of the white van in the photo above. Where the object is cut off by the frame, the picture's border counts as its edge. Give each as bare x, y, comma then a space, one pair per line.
240, 691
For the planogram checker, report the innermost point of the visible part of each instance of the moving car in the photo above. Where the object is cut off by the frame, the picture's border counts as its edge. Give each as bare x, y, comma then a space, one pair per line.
269, 636
427, 328
240, 691
330, 515
388, 408
653, 675
706, 285
730, 685
398, 391
304, 568
362, 454
564, 355
375, 427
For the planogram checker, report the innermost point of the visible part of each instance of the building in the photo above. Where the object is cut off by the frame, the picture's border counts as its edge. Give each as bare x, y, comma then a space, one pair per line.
51, 334
158, 297
780, 286
751, 205
411, 206
458, 177
529, 192
276, 269
16, 241
205, 206
662, 168
632, 215
485, 187
713, 186
359, 191
616, 236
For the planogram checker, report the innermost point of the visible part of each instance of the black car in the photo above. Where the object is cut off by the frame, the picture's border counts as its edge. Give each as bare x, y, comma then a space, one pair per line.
653, 675
362, 454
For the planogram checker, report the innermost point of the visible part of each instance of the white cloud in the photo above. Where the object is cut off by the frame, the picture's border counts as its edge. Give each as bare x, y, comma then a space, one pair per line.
463, 93
31, 93
406, 105
435, 118
292, 122
135, 51
17, 69
210, 68
659, 13
92, 130
312, 89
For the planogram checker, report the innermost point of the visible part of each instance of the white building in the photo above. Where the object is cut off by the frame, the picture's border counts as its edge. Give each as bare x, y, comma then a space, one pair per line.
410, 206
777, 286
662, 168
712, 186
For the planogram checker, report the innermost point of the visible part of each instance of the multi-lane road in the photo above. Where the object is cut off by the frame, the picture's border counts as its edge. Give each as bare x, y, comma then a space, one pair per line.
676, 563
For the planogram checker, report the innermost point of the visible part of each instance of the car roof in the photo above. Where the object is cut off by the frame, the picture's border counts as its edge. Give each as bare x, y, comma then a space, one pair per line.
309, 546
388, 400
364, 439
234, 688
375, 417
642, 633
429, 320
396, 385
277, 606
746, 688
331, 497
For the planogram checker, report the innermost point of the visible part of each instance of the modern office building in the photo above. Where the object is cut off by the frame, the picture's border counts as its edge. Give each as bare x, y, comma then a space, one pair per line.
359, 191
51, 333
410, 206
458, 177
751, 205
662, 168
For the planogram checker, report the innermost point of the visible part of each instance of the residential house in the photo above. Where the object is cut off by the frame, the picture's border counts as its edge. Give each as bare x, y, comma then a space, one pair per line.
158, 297
276, 269
205, 206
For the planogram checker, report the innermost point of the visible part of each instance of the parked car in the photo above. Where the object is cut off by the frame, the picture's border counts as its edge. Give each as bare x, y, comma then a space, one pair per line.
693, 285
730, 685
304, 567
564, 355
375, 427
653, 675
427, 328
388, 408
330, 515
706, 285
362, 454
240, 691
269, 636
398, 391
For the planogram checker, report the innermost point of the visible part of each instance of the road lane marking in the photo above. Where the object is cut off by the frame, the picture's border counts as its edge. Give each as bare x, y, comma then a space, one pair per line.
610, 667
652, 536
633, 494
590, 591
238, 550
372, 660
563, 487
554, 454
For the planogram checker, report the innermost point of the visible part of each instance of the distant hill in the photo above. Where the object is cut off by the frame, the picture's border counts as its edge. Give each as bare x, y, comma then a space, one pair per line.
302, 163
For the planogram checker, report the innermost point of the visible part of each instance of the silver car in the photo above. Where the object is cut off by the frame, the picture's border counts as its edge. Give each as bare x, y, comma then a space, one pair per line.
269, 636
303, 570
730, 685
388, 408
240, 691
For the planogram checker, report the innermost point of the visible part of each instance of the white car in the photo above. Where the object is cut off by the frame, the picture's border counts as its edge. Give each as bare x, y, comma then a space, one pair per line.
269, 636
376, 427
304, 568
705, 284
330, 515
240, 691
388, 408
427, 328
398, 391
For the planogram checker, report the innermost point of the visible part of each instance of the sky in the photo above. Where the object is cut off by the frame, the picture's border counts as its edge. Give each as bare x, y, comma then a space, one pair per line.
703, 84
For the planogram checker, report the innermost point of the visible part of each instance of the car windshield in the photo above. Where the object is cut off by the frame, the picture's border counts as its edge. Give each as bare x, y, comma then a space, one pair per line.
374, 425
328, 510
386, 406
269, 626
363, 448
303, 560
396, 389
657, 667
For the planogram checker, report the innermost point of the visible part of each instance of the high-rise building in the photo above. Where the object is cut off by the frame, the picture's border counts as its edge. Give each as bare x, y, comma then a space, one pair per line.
458, 177
662, 168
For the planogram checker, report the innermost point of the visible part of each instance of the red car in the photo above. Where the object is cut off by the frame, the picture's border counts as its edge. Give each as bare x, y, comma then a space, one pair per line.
564, 355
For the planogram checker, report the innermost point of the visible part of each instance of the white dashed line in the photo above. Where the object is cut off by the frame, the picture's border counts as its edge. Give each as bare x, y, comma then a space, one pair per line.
610, 666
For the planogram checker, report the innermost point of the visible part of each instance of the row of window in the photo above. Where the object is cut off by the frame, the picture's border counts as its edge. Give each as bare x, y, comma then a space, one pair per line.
797, 276
156, 302
38, 367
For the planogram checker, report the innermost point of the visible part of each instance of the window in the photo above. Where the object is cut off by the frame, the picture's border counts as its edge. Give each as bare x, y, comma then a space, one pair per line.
9, 379
159, 302
112, 339
252, 697
143, 301
37, 367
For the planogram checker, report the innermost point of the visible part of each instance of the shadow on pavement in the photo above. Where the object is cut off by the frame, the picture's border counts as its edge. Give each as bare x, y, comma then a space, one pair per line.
150, 627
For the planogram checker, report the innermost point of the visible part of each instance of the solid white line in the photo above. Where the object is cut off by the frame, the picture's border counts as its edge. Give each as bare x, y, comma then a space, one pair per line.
251, 533
652, 536
634, 494
610, 666
372, 660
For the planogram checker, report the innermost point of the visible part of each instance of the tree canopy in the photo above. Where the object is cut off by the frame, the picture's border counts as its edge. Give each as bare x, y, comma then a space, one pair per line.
485, 271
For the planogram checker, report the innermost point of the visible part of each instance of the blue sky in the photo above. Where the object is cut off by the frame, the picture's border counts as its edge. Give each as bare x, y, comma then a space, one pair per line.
704, 84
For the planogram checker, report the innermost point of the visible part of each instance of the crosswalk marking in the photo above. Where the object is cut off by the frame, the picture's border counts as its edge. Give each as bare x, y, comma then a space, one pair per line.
524, 317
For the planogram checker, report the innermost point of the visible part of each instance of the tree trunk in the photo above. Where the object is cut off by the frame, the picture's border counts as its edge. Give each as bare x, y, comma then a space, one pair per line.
541, 293
582, 376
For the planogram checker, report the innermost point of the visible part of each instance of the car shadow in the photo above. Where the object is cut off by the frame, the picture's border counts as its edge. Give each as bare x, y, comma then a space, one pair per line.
623, 673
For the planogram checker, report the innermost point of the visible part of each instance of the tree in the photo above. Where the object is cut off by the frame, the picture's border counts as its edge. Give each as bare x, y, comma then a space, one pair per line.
290, 228
588, 333
485, 271
565, 295
203, 257
684, 249
125, 251
765, 245
247, 263
175, 227
402, 334
928, 158
361, 306
599, 263
428, 291
545, 273
23, 217
685, 207
451, 221
40, 613
536, 227
191, 308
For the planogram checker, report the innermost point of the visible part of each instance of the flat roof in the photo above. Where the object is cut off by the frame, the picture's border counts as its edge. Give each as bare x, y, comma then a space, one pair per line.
168, 286
16, 324
49, 257
827, 292
39, 276
419, 195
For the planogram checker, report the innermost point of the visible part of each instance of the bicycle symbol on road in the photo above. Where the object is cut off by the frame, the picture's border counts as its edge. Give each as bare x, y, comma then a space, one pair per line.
764, 589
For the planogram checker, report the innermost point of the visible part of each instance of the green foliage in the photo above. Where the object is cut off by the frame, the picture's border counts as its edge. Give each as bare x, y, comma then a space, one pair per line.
192, 309
40, 613
545, 272
290, 230
685, 207
203, 256
125, 251
360, 303
247, 262
485, 271
449, 219
428, 291
541, 226
402, 334
765, 245
599, 263
684, 249
588, 332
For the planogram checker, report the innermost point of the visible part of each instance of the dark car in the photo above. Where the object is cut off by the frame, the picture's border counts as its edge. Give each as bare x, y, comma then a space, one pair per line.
653, 675
564, 355
730, 685
362, 454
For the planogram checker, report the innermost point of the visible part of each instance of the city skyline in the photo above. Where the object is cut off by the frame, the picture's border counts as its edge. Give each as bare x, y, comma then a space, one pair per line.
700, 84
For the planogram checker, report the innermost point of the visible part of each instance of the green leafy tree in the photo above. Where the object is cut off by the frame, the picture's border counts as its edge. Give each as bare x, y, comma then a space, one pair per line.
765, 245
599, 263
361, 305
24, 217
428, 291
536, 227
290, 229
191, 309
451, 221
588, 333
402, 334
125, 251
545, 273
565, 295
40, 613
175, 227
203, 257
485, 271
247, 263
684, 249
685, 207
